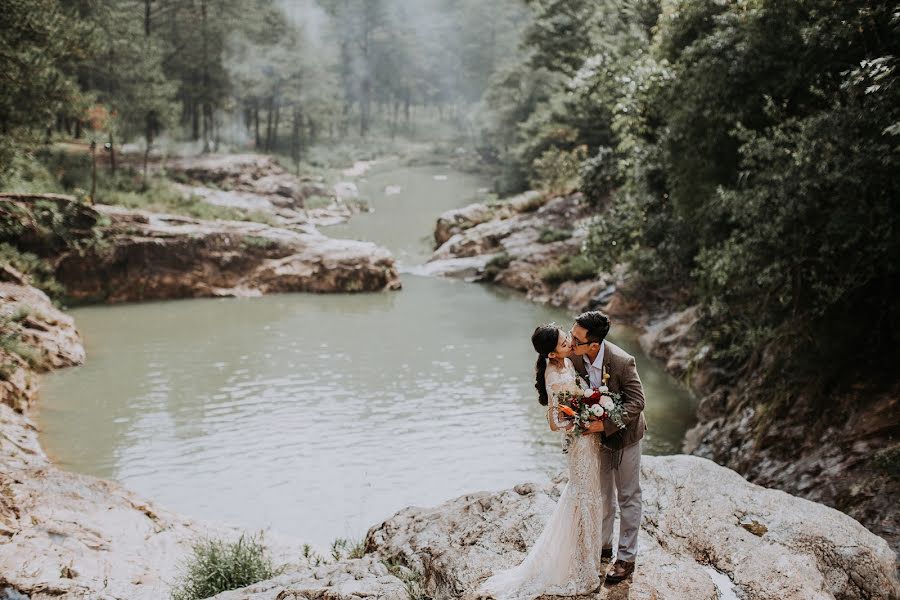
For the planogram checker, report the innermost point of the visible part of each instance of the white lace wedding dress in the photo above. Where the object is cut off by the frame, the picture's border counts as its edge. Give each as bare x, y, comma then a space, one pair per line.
565, 559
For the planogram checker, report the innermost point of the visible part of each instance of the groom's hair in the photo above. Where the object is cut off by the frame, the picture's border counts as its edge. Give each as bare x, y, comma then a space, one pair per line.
596, 323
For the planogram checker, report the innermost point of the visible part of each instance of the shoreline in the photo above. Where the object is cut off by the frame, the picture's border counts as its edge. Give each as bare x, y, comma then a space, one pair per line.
389, 540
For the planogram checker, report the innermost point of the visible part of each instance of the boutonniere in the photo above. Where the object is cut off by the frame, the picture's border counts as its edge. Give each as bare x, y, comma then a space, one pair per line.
605, 374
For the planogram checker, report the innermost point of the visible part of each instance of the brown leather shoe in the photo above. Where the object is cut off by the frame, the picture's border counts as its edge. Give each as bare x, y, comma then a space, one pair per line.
620, 570
606, 554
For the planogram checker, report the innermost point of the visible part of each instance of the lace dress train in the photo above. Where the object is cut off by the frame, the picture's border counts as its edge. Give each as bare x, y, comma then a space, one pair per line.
565, 559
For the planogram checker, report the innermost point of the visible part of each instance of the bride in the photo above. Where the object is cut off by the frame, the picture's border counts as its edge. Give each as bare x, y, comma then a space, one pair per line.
565, 560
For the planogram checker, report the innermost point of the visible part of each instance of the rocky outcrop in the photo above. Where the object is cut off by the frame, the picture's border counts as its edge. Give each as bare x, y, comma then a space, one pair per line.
118, 254
55, 526
785, 441
35, 337
258, 183
152, 256
518, 243
456, 221
351, 579
706, 533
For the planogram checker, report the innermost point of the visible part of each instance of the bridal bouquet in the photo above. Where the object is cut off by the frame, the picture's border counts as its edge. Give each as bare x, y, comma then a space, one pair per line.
590, 404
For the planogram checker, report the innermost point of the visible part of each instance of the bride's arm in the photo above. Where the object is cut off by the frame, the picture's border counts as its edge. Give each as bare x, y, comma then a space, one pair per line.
555, 385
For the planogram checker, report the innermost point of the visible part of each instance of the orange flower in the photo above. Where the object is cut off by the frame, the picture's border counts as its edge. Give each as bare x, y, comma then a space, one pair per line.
567, 410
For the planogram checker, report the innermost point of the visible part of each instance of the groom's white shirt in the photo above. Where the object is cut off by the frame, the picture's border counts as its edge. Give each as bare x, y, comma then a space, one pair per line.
595, 369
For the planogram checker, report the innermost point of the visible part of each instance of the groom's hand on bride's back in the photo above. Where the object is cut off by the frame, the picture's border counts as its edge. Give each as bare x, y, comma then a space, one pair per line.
594, 427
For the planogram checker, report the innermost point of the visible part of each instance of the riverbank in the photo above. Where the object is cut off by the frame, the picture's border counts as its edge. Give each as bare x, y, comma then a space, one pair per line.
86, 537
122, 252
133, 552
527, 244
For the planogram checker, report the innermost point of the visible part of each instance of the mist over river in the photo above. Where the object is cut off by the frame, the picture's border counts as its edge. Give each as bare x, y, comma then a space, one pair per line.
320, 415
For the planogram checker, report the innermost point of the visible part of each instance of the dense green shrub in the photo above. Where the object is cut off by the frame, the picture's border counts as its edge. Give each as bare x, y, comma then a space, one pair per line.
556, 171
39, 271
599, 176
573, 268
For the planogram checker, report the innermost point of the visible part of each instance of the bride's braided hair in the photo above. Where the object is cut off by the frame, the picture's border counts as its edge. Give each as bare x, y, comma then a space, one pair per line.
544, 339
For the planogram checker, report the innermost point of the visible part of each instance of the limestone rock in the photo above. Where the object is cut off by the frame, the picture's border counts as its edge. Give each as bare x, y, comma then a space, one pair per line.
706, 533
514, 229
458, 220
349, 579
157, 256
258, 183
45, 335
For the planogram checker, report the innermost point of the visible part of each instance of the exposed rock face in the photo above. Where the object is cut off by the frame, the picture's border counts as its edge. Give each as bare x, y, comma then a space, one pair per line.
503, 242
789, 446
351, 579
147, 256
45, 336
257, 183
706, 534
68, 535
458, 220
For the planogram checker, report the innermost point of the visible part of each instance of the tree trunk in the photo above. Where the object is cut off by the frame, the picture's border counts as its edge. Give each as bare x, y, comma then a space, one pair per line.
269, 124
205, 72
93, 170
256, 122
112, 154
275, 126
296, 148
148, 137
313, 127
365, 107
195, 120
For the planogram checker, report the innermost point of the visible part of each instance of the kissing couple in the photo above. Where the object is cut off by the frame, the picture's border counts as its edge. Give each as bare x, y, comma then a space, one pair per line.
603, 445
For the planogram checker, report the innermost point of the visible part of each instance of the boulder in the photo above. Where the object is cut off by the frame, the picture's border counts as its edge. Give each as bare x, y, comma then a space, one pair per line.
514, 229
706, 532
40, 337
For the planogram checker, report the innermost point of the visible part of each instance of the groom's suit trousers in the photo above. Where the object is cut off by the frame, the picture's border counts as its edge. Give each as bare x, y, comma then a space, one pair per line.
622, 486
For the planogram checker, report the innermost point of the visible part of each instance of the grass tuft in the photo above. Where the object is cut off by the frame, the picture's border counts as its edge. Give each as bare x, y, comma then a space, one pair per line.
496, 265
549, 235
217, 566
413, 580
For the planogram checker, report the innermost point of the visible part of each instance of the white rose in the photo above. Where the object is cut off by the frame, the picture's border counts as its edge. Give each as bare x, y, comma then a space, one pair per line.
607, 403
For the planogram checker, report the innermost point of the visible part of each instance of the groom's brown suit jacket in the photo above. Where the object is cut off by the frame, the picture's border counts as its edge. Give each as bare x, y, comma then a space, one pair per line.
623, 378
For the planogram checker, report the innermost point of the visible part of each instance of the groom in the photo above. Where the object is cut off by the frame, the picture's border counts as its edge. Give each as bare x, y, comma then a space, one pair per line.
620, 456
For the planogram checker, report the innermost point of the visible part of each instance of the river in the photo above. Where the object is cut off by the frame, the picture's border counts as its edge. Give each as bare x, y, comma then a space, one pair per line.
321, 415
